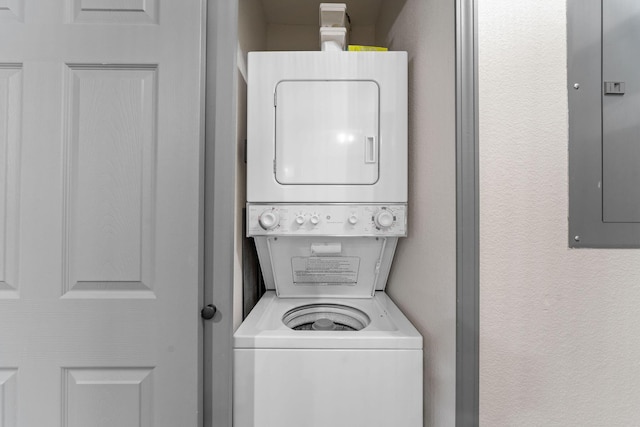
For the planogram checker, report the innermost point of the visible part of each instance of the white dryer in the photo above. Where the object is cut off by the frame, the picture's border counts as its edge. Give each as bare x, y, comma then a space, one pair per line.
326, 205
327, 127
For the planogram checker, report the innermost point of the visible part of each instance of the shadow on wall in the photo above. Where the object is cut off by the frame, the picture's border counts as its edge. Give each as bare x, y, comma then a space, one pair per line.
389, 12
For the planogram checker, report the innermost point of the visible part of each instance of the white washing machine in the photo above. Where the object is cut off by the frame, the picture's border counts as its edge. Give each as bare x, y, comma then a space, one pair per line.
326, 204
367, 374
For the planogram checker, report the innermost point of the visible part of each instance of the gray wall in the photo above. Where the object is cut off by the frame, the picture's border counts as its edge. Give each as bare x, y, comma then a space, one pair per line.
306, 37
423, 276
558, 327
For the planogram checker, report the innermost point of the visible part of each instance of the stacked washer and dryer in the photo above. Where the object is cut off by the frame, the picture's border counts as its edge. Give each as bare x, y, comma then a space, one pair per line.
326, 203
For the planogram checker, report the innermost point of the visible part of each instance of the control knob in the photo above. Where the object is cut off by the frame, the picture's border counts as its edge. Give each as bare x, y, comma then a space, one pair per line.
269, 219
315, 219
383, 219
353, 219
300, 219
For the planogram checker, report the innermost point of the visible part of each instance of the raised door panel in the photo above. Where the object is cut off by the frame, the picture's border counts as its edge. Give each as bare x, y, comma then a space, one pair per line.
10, 119
113, 11
8, 397
120, 397
11, 10
110, 181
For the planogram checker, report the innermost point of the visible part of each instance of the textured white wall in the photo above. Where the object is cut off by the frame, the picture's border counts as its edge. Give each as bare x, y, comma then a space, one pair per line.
423, 277
559, 329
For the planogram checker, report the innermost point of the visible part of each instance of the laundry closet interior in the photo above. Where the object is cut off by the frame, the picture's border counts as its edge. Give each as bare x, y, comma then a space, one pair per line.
422, 278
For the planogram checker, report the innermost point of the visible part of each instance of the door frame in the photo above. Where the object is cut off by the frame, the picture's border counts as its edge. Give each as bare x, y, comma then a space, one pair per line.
219, 159
467, 216
219, 202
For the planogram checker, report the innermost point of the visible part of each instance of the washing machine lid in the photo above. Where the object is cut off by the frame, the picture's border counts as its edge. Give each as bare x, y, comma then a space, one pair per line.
322, 266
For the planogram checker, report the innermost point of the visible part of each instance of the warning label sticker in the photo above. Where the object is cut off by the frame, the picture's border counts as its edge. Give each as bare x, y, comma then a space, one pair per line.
325, 270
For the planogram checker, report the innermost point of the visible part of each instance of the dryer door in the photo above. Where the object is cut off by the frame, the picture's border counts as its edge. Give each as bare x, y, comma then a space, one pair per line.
326, 132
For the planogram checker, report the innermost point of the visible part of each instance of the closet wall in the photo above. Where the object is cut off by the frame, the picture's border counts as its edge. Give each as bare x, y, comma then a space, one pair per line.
423, 277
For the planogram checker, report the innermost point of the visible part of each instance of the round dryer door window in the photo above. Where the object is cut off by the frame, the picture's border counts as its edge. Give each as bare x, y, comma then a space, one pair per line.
326, 317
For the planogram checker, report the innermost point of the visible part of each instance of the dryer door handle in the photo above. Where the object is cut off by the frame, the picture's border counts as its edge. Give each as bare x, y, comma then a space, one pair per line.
370, 149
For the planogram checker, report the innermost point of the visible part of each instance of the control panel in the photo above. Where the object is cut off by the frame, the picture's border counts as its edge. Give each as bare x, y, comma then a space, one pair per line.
326, 219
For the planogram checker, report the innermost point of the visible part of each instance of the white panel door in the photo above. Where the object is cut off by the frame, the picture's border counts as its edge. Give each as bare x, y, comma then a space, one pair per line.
100, 211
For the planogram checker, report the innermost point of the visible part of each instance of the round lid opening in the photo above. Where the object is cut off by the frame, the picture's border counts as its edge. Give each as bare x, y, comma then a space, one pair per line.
325, 317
